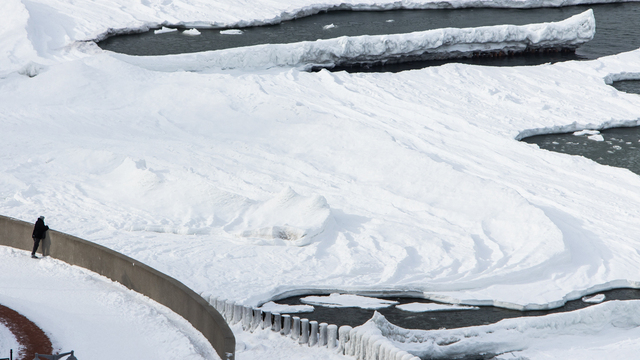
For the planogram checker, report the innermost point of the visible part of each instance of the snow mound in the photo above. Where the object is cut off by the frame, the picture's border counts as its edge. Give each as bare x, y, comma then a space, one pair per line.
586, 132
178, 202
346, 300
191, 32
288, 218
31, 69
424, 307
424, 45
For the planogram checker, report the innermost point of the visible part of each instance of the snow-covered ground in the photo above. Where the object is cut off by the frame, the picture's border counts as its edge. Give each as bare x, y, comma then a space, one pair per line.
246, 184
8, 342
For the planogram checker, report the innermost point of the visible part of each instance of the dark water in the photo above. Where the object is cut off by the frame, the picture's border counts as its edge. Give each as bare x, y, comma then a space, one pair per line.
620, 148
439, 319
629, 86
617, 30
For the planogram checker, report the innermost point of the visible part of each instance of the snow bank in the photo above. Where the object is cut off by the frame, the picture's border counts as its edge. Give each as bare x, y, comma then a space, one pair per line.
346, 300
527, 337
425, 45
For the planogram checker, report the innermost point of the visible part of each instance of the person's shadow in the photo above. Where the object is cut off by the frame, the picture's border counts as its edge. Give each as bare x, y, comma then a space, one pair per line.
46, 244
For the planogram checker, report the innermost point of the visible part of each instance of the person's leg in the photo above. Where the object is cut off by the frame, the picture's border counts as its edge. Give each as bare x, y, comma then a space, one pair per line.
36, 243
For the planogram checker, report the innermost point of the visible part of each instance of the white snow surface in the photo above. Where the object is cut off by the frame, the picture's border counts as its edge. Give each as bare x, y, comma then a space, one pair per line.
403, 183
97, 318
425, 45
346, 300
8, 342
424, 307
268, 345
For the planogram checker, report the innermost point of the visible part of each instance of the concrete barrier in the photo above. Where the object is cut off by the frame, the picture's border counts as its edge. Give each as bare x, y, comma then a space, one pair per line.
130, 273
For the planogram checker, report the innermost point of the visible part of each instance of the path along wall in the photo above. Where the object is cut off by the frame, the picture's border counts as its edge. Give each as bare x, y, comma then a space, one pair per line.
130, 273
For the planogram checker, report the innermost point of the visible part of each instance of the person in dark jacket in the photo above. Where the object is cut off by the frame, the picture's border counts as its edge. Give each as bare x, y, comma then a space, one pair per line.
39, 233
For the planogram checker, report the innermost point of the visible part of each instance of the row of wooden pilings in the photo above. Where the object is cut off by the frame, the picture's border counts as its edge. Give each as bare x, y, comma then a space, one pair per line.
344, 340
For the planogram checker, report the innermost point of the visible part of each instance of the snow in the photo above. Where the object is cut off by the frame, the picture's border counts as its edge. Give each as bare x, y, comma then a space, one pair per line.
232, 32
274, 308
265, 344
8, 342
346, 300
97, 318
252, 183
424, 307
164, 30
586, 132
191, 32
595, 299
424, 45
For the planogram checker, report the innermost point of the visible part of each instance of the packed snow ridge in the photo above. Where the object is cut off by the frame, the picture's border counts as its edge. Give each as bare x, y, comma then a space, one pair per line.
423, 45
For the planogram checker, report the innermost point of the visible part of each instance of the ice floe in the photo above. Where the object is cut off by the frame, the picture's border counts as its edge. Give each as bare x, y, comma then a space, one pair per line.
347, 300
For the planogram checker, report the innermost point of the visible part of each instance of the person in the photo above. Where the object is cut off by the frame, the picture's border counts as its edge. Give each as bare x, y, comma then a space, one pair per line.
39, 233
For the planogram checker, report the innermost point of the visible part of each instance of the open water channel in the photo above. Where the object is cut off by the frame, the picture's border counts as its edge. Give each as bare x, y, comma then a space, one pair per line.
430, 320
618, 147
617, 30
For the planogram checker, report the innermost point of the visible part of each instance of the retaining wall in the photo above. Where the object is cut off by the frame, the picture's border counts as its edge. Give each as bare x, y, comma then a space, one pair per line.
130, 273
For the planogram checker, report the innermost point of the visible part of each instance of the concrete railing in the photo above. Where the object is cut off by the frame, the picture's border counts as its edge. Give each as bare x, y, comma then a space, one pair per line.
130, 273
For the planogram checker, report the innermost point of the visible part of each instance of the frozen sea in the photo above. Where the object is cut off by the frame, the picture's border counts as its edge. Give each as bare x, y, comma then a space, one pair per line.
258, 181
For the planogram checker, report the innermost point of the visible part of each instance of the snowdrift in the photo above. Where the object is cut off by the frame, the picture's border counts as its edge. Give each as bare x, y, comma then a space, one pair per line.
425, 45
288, 218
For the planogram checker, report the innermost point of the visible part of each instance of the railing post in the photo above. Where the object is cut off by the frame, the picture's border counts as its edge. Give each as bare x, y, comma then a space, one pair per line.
304, 331
322, 335
277, 322
295, 331
286, 328
313, 336
332, 336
